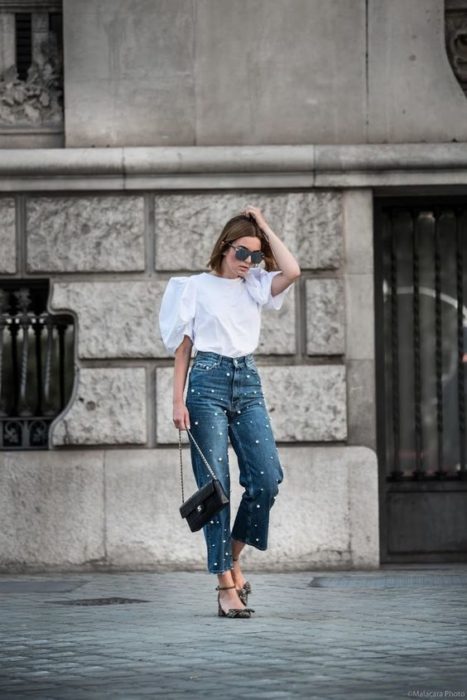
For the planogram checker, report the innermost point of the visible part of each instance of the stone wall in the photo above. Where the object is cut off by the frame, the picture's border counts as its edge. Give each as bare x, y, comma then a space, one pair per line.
217, 72
109, 258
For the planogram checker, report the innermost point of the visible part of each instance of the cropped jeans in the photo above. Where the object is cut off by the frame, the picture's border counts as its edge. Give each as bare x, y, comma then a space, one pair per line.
225, 400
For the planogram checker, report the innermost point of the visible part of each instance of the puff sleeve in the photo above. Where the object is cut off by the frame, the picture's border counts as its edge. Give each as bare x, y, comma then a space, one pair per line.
177, 312
258, 283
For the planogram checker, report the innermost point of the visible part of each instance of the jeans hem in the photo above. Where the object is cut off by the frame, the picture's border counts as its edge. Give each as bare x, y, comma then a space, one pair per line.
250, 544
224, 571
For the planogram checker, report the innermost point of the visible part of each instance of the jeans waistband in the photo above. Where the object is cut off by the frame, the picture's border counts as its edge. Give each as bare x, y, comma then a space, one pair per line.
223, 359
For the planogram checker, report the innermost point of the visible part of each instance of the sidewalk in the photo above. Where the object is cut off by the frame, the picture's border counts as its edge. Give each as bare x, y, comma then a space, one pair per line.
393, 633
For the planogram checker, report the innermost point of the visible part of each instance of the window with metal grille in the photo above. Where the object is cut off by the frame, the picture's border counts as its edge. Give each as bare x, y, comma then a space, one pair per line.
421, 253
23, 26
31, 28
36, 364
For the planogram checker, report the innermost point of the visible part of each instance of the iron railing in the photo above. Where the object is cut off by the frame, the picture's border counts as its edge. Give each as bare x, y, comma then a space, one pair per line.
422, 253
36, 364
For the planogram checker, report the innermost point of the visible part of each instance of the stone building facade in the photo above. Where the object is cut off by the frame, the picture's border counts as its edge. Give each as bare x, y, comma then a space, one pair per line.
167, 133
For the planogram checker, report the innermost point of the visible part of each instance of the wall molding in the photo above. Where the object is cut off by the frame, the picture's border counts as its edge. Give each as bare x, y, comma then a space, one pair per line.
232, 167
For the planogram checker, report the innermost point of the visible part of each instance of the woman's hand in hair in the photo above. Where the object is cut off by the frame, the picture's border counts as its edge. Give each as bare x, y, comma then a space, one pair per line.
287, 264
257, 214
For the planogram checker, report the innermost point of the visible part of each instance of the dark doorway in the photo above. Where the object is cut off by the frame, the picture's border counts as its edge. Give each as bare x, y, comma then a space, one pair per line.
421, 357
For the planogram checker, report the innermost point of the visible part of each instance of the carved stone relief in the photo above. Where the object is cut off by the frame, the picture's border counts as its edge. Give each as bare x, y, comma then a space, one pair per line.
38, 100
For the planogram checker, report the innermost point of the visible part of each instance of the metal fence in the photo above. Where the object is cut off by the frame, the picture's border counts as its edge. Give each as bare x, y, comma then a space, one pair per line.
422, 336
36, 364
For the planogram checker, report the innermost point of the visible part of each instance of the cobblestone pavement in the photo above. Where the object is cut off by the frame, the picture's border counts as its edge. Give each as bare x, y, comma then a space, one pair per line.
393, 633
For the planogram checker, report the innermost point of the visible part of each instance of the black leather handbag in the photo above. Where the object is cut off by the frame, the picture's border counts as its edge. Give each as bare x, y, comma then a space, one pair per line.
205, 502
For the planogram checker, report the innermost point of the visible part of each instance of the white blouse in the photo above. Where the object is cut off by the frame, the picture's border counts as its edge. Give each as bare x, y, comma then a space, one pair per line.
219, 314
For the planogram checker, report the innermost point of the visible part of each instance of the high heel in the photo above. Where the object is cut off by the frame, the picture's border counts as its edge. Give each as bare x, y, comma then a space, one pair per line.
244, 591
232, 612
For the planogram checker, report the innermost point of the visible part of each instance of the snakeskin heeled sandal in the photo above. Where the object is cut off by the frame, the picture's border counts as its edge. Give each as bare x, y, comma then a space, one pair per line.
232, 612
244, 591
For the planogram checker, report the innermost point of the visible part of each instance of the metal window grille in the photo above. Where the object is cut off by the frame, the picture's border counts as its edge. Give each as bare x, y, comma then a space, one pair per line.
36, 364
421, 252
23, 43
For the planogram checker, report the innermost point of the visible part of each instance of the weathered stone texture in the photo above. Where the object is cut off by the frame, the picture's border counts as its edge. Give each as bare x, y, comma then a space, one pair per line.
7, 235
307, 403
115, 319
51, 509
359, 310
278, 328
361, 401
363, 506
187, 226
82, 509
109, 408
331, 526
358, 230
325, 316
89, 234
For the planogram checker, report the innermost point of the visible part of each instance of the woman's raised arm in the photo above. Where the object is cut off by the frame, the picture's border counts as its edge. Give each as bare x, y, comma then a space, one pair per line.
289, 267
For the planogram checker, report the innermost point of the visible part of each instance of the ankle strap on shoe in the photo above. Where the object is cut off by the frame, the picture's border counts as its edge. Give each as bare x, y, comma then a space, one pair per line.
223, 588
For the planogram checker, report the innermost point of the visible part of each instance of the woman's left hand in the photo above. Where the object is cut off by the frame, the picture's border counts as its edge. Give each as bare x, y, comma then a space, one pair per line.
258, 216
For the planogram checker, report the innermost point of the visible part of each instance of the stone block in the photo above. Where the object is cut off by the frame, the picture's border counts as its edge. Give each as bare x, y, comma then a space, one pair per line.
307, 403
129, 73
358, 231
361, 402
187, 226
317, 519
108, 408
278, 328
363, 505
325, 316
115, 319
152, 72
94, 509
7, 235
326, 513
85, 234
143, 497
406, 58
360, 319
51, 510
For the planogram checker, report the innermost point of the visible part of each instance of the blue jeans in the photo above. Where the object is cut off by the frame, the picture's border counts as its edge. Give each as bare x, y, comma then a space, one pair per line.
225, 399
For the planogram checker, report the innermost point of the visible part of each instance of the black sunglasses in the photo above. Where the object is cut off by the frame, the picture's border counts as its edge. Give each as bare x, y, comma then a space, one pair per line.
242, 253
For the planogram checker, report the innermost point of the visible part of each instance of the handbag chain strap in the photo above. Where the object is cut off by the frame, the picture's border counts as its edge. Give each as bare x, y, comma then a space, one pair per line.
201, 455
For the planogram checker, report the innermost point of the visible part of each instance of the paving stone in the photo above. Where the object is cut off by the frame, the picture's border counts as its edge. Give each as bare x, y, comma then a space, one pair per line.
302, 642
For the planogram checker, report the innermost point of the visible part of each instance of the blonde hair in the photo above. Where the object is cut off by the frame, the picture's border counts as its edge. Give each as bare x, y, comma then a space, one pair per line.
238, 227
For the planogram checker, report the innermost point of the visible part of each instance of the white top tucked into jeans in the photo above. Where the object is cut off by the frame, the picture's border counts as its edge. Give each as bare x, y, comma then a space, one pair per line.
219, 314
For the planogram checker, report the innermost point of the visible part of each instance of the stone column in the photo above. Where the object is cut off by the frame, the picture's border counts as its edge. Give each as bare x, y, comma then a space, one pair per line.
40, 35
7, 41
359, 310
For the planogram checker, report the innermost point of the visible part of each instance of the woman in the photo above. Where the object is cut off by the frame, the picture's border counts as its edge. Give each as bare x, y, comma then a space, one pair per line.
219, 313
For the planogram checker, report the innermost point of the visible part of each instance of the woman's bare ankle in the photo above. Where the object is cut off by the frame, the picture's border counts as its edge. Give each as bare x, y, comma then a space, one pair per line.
228, 595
